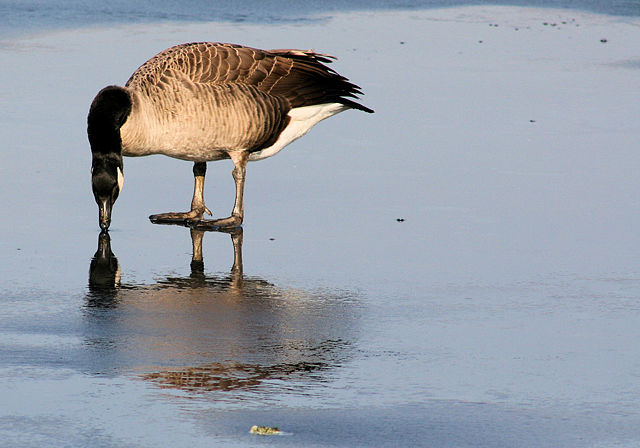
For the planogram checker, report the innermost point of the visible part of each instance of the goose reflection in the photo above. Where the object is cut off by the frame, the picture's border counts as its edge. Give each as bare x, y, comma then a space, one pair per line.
225, 332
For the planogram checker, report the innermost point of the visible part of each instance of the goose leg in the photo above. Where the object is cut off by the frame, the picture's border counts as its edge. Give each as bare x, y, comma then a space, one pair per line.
240, 160
197, 203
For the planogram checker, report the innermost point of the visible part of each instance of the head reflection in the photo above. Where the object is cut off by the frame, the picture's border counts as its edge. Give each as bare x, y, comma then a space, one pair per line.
220, 332
104, 273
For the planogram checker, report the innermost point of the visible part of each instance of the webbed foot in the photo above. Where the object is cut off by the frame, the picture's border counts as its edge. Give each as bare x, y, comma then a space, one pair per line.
230, 223
196, 221
180, 218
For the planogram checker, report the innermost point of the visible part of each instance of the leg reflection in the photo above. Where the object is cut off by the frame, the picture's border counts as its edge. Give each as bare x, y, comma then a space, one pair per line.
197, 259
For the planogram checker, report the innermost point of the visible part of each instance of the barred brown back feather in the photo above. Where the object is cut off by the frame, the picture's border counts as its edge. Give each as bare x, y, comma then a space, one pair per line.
301, 77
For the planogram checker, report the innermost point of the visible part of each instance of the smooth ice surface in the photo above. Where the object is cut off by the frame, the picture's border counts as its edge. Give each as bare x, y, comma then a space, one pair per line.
502, 311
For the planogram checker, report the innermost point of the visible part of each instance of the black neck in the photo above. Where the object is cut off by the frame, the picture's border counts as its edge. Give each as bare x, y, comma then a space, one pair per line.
109, 111
104, 140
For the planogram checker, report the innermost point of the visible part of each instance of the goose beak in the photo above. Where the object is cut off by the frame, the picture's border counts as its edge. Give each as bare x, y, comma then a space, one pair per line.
105, 213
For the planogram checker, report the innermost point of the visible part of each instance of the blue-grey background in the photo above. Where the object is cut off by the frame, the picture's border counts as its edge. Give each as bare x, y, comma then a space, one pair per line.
503, 311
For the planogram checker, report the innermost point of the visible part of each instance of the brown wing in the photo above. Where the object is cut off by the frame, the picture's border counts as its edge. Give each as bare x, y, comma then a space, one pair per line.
301, 77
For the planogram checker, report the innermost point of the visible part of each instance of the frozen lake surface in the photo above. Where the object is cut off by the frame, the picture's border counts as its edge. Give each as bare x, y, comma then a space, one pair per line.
459, 269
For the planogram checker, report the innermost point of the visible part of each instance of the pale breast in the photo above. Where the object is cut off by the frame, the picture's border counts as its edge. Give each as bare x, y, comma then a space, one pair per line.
199, 122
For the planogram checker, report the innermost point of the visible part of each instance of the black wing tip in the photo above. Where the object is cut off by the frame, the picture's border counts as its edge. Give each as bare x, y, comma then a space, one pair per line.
367, 110
358, 106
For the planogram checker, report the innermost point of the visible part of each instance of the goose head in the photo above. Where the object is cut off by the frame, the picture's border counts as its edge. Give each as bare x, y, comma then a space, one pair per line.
109, 111
106, 181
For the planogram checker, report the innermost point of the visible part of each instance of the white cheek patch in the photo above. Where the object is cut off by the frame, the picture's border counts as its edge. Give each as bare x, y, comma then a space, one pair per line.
120, 180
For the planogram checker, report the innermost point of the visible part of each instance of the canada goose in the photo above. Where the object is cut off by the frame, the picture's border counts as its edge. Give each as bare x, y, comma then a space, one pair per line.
210, 101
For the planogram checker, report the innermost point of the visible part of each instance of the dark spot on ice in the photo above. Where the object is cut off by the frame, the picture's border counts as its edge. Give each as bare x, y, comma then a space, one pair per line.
401, 42
604, 41
532, 121
272, 239
400, 219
